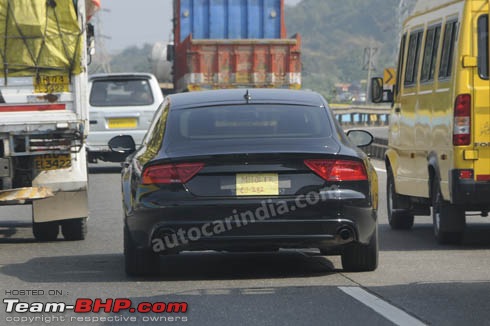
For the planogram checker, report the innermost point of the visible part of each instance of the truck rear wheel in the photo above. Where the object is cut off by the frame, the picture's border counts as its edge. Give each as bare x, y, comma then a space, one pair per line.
46, 231
74, 229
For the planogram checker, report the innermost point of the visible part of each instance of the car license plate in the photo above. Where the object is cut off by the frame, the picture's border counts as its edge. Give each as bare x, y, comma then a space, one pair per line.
51, 84
52, 161
263, 184
122, 123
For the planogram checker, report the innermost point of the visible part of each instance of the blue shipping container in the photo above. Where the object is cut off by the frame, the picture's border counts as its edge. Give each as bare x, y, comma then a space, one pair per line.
231, 19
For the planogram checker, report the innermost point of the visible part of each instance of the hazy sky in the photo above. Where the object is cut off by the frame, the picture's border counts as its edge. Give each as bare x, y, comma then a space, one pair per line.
137, 22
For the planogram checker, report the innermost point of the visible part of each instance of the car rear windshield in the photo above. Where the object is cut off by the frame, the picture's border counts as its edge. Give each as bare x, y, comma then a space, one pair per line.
120, 92
247, 122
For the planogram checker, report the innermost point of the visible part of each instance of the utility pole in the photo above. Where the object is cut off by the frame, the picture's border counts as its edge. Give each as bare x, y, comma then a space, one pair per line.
101, 53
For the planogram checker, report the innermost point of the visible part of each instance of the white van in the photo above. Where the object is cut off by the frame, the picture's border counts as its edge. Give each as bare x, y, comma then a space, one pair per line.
120, 104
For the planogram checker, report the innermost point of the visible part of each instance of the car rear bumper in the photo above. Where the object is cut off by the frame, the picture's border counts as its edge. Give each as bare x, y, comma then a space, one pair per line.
229, 227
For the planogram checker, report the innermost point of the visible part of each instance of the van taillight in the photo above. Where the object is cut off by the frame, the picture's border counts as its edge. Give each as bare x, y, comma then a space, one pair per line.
462, 120
170, 173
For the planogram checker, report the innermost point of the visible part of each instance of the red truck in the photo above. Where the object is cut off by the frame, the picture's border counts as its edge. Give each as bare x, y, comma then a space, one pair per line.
229, 44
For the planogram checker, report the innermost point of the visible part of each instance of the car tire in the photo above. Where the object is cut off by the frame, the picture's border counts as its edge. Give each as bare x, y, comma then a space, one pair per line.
74, 229
46, 231
139, 262
449, 221
358, 257
396, 219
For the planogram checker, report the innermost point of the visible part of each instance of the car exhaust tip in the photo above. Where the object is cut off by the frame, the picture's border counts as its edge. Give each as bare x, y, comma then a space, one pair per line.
346, 233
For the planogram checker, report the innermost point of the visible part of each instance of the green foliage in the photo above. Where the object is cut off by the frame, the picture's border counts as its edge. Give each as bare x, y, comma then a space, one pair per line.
131, 59
335, 34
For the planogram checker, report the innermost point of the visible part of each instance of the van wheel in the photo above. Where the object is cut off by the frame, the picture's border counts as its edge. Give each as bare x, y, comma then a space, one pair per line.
74, 229
46, 231
398, 220
357, 257
139, 262
448, 220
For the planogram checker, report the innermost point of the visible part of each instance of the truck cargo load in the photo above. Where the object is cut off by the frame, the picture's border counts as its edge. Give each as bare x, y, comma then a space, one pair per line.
208, 64
229, 44
43, 112
229, 19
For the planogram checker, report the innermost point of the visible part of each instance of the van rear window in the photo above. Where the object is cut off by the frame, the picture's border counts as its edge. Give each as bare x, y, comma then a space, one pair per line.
483, 46
121, 92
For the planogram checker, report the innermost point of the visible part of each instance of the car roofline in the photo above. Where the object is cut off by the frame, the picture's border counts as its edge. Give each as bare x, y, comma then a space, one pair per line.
239, 96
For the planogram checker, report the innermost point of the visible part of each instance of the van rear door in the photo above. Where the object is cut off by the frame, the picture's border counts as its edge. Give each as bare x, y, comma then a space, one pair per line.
481, 110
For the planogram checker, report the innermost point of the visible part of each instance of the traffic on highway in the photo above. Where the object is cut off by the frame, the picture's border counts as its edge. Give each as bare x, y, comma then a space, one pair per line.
218, 190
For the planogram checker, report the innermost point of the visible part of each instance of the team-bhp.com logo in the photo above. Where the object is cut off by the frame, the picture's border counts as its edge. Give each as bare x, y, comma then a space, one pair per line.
84, 305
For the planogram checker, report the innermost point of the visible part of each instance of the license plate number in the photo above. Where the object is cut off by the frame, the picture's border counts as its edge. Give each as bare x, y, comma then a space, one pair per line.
263, 184
52, 161
122, 123
51, 84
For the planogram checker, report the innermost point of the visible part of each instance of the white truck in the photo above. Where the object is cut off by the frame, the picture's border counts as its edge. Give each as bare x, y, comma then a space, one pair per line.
44, 112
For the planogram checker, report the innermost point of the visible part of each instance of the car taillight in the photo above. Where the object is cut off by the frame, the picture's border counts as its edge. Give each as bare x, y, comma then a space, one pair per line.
338, 170
462, 120
170, 173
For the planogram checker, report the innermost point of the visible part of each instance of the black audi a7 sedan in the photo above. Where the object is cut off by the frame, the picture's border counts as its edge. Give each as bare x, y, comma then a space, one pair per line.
248, 170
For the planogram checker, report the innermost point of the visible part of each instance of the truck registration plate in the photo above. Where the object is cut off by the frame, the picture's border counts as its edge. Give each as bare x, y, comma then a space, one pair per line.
52, 161
51, 84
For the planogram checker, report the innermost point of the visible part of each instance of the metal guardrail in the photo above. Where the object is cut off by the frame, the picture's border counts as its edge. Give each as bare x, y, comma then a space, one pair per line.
353, 115
365, 115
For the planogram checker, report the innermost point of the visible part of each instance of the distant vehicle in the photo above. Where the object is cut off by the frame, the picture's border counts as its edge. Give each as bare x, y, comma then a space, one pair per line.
344, 97
248, 170
228, 44
439, 135
119, 103
361, 99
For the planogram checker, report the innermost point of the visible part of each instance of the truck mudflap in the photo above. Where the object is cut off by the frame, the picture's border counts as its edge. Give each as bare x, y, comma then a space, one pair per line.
23, 195
64, 205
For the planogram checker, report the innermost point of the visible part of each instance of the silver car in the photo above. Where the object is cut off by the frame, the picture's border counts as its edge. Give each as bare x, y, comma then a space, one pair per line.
120, 104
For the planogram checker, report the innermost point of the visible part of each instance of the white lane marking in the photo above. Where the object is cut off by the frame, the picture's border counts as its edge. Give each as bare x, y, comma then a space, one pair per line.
388, 311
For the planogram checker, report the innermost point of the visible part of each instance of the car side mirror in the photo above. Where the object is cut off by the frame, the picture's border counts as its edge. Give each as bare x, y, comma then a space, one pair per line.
360, 138
123, 144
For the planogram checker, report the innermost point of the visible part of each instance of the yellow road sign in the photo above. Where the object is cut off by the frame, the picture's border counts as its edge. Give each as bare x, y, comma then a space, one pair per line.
389, 77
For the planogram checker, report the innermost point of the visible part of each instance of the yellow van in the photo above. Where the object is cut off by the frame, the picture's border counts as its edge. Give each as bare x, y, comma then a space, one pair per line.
439, 131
